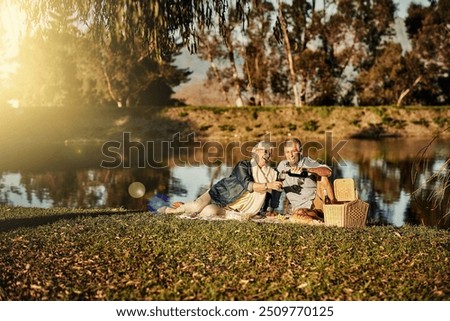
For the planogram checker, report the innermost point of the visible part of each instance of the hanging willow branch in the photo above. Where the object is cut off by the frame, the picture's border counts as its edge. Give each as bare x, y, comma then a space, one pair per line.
439, 196
161, 25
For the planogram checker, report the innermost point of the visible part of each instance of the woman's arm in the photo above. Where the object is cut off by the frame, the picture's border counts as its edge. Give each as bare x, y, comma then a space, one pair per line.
243, 173
264, 187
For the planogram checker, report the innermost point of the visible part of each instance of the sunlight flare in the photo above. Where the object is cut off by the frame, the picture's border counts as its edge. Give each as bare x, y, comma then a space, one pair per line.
12, 27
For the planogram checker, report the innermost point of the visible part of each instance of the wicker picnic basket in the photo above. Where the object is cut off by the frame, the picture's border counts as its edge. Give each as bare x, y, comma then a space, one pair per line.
350, 211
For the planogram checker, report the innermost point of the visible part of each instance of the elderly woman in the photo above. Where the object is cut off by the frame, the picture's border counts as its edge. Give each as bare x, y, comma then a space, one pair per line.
239, 196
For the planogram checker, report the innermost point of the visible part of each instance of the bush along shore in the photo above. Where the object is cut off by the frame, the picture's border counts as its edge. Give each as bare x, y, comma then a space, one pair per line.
62, 254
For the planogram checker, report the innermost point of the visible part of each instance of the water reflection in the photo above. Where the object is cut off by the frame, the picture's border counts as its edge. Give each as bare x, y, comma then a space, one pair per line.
72, 178
385, 171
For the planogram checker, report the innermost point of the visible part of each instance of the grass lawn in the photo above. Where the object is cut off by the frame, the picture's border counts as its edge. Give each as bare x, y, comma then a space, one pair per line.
62, 254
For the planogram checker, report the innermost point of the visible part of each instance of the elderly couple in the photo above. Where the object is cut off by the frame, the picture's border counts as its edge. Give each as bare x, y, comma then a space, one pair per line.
254, 187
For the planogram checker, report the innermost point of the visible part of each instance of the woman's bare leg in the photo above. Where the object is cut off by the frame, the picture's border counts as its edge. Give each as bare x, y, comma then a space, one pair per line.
193, 207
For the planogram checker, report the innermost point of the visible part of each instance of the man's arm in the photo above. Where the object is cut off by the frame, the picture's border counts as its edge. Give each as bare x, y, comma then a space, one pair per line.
320, 171
314, 167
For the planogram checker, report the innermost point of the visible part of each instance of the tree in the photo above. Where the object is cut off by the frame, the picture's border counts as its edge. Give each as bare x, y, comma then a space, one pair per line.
429, 31
160, 24
47, 71
358, 31
385, 81
256, 53
221, 48
7, 51
283, 27
325, 47
227, 34
416, 77
209, 49
71, 63
126, 76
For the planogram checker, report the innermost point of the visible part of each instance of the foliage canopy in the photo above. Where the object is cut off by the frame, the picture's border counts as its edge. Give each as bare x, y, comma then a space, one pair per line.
339, 54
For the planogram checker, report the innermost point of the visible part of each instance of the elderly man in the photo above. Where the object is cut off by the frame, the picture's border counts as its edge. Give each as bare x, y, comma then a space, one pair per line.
239, 196
306, 183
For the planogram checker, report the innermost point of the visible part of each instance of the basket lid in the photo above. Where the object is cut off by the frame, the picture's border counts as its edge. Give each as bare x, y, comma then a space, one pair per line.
344, 189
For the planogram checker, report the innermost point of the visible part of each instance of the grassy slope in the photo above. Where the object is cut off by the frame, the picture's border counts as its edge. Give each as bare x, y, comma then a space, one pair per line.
219, 123
60, 254
311, 122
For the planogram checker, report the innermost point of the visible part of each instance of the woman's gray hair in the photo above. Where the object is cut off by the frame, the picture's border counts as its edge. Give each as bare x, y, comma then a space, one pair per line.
261, 145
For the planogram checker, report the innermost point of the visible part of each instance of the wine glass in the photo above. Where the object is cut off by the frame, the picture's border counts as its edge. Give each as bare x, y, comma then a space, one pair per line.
281, 177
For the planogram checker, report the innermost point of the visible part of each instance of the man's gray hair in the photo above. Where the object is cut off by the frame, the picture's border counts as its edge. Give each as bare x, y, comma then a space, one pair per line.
293, 142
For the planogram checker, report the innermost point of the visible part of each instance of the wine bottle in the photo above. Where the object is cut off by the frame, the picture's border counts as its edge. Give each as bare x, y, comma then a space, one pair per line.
303, 173
326, 199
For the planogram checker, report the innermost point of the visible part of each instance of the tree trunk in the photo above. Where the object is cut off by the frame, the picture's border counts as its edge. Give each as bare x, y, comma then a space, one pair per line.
236, 85
110, 91
217, 74
407, 91
219, 79
287, 46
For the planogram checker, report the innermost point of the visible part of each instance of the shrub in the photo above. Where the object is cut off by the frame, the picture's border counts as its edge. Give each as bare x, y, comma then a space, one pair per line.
421, 121
311, 125
205, 127
441, 121
392, 122
225, 127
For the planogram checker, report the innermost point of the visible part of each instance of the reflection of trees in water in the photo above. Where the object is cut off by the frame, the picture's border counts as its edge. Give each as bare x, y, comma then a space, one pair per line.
387, 166
176, 187
389, 179
376, 215
215, 173
6, 191
90, 188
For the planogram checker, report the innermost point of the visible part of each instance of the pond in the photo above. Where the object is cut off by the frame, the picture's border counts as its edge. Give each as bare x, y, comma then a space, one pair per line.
392, 175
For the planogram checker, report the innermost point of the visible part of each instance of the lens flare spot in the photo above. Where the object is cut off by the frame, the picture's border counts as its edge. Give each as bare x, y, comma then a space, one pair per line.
136, 189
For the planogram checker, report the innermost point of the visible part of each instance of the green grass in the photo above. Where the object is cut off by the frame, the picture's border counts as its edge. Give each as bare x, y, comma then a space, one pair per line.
62, 254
